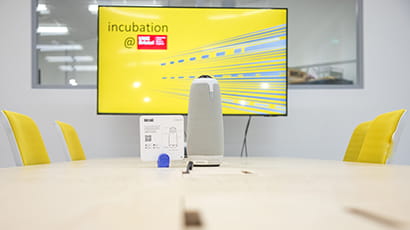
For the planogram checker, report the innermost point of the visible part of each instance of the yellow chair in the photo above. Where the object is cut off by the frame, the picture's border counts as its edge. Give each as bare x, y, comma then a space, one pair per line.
356, 142
25, 139
381, 138
73, 147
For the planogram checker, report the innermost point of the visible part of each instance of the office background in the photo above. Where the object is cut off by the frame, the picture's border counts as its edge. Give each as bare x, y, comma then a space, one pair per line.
319, 123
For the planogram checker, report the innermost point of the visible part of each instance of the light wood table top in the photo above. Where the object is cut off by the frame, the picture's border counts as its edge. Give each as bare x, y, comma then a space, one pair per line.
244, 193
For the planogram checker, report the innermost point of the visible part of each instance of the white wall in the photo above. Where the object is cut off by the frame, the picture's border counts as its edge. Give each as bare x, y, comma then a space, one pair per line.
319, 124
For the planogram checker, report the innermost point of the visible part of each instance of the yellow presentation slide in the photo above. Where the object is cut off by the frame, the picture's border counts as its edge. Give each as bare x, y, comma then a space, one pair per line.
148, 57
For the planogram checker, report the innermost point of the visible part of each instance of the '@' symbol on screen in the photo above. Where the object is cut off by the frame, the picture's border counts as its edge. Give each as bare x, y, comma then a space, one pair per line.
129, 42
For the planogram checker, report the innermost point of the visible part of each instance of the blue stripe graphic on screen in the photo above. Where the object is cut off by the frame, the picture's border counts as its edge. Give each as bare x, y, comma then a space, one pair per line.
246, 92
249, 74
262, 105
248, 78
241, 109
271, 45
261, 62
249, 42
280, 29
247, 96
257, 58
220, 54
280, 32
256, 107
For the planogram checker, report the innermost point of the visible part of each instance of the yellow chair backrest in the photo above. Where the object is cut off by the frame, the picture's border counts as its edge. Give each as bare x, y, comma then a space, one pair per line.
74, 148
25, 138
378, 143
356, 142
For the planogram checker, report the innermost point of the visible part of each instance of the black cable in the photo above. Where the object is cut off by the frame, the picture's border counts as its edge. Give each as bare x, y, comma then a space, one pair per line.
185, 135
244, 144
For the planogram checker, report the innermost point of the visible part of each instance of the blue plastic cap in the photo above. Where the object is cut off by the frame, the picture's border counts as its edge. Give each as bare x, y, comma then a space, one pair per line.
163, 160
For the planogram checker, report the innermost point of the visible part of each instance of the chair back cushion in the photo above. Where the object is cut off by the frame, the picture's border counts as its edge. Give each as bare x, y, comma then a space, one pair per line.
356, 142
72, 141
28, 138
378, 143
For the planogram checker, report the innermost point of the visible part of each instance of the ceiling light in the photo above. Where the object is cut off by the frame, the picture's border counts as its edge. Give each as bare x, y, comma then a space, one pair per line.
59, 58
52, 30
85, 67
69, 58
93, 8
45, 48
78, 68
83, 58
42, 9
66, 68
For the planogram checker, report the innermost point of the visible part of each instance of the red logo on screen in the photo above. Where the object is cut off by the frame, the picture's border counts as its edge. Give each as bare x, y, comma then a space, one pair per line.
152, 42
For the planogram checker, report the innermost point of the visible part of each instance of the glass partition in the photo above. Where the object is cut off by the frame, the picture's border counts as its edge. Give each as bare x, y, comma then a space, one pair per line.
324, 49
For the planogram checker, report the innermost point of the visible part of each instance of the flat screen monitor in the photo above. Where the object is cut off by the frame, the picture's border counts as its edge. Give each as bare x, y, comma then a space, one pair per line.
149, 56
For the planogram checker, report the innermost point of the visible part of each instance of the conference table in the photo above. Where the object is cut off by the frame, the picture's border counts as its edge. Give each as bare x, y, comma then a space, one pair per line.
243, 193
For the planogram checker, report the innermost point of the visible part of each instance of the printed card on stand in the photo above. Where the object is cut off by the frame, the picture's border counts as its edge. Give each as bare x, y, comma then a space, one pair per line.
161, 134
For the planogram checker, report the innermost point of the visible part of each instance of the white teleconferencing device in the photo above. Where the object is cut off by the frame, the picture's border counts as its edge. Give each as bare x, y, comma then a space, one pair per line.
205, 133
